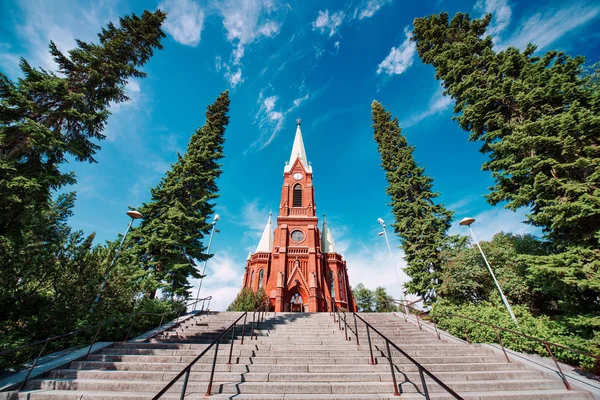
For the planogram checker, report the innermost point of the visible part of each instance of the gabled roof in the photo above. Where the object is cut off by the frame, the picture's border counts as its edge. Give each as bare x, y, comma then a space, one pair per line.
266, 241
327, 245
298, 152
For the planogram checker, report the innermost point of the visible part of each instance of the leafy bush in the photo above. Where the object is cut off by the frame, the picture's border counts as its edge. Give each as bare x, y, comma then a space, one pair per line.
247, 300
574, 332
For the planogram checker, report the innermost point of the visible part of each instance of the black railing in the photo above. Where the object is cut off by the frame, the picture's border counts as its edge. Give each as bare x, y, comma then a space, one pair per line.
98, 327
421, 369
548, 345
341, 319
257, 317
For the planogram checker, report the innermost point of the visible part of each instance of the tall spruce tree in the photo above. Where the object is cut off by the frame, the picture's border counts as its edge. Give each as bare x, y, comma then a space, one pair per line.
169, 238
47, 117
539, 122
420, 224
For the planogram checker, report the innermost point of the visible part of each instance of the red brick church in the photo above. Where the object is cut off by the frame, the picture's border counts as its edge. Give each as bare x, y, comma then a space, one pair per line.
298, 265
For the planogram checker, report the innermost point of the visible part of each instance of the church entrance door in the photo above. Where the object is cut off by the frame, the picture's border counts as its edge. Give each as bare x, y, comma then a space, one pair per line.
296, 303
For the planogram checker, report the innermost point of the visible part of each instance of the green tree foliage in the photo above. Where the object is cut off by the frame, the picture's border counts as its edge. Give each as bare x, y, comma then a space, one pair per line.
248, 300
466, 279
169, 238
47, 117
50, 274
556, 330
420, 224
364, 298
383, 301
539, 123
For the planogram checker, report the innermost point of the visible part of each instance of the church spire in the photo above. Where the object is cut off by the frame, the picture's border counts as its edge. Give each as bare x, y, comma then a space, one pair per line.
266, 241
327, 245
298, 151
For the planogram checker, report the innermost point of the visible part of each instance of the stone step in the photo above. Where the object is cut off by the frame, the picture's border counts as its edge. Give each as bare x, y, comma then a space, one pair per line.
101, 395
289, 387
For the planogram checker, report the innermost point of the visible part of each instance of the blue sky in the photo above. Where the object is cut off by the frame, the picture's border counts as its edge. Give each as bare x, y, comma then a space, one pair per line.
321, 61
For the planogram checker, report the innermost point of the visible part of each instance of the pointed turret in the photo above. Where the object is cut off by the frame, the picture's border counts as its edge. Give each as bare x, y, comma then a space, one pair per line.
327, 245
249, 256
298, 151
266, 241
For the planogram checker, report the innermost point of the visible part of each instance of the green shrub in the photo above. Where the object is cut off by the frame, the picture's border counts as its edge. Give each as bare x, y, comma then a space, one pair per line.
577, 333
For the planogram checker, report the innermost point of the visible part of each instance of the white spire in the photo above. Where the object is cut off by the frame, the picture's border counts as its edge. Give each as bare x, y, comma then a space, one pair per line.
298, 151
327, 245
266, 241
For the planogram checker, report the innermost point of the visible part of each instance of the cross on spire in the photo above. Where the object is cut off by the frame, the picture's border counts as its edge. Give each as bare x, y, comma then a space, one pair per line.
298, 121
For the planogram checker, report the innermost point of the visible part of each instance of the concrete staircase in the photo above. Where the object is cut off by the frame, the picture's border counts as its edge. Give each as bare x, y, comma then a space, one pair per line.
295, 356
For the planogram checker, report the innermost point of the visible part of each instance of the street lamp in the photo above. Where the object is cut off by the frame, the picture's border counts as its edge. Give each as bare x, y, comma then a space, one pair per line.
468, 222
384, 233
133, 214
213, 223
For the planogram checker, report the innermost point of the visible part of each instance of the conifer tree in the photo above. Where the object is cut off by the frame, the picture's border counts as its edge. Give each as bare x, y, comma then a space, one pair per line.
177, 218
539, 122
47, 117
420, 224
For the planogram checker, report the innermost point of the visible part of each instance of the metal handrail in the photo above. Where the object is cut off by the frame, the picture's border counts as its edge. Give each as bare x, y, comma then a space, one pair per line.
546, 343
422, 370
188, 369
98, 327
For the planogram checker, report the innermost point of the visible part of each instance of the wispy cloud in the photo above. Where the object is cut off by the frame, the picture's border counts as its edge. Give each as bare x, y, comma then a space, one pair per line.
329, 23
550, 24
501, 15
185, 20
496, 220
245, 23
437, 104
61, 21
369, 8
271, 118
223, 280
399, 58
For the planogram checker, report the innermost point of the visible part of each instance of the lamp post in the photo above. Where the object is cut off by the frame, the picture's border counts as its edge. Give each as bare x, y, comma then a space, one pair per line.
213, 223
384, 233
468, 222
133, 214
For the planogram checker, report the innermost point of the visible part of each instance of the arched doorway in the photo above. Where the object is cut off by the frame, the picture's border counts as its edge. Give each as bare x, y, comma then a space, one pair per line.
296, 303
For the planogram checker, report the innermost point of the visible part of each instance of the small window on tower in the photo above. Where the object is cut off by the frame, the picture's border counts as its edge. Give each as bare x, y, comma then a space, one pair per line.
297, 196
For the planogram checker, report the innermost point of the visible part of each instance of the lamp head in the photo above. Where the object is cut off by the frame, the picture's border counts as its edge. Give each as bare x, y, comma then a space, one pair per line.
466, 221
380, 234
380, 221
135, 214
216, 218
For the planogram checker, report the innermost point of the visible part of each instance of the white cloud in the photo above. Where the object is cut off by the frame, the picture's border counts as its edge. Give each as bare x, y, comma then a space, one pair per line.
300, 100
185, 20
326, 22
245, 23
399, 58
495, 220
223, 280
370, 8
548, 25
437, 104
61, 21
271, 119
234, 78
501, 14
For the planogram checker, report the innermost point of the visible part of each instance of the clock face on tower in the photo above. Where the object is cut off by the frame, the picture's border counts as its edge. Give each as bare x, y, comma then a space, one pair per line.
298, 176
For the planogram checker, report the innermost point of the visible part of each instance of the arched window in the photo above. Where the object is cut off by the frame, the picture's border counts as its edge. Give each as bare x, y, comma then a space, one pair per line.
252, 280
260, 278
341, 286
297, 195
331, 284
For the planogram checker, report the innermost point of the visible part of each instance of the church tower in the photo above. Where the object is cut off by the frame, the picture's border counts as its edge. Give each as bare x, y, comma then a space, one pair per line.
297, 264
